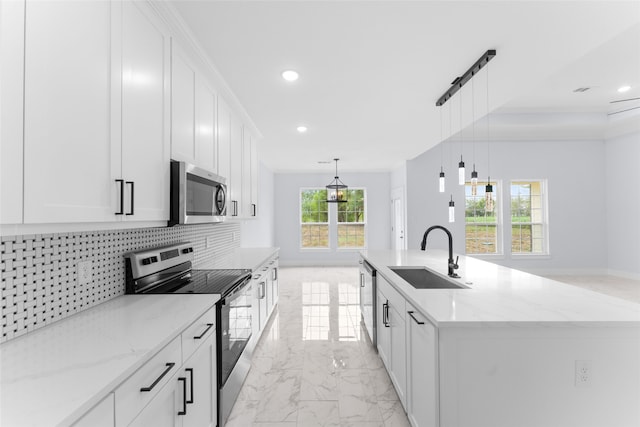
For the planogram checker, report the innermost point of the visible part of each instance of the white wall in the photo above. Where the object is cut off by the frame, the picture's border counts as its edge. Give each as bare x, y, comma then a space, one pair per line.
260, 232
287, 216
576, 193
623, 205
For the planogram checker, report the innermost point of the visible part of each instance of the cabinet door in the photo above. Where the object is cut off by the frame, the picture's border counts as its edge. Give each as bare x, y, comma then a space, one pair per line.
422, 398
69, 166
235, 183
206, 146
145, 111
383, 331
163, 409
224, 146
255, 170
11, 88
398, 371
200, 371
183, 78
249, 177
101, 415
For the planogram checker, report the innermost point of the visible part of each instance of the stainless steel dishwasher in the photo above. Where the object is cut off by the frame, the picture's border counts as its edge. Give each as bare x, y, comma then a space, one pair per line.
368, 299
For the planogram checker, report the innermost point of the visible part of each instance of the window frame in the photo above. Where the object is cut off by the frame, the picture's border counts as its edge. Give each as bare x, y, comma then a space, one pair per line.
328, 223
364, 224
499, 254
544, 201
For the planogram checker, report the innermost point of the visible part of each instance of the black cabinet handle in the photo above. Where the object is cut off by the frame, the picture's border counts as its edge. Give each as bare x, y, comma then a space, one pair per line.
275, 273
253, 207
235, 208
184, 396
121, 211
132, 199
209, 326
263, 290
190, 370
385, 314
414, 318
169, 366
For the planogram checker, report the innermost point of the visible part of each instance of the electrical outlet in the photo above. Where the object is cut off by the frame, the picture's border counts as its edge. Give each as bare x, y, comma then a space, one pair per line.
584, 374
85, 273
210, 242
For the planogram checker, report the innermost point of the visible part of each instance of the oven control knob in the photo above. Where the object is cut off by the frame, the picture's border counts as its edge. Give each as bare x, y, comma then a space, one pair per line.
150, 260
187, 250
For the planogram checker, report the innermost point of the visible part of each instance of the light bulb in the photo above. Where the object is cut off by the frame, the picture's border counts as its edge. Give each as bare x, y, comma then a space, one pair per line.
474, 182
441, 181
488, 201
452, 211
461, 172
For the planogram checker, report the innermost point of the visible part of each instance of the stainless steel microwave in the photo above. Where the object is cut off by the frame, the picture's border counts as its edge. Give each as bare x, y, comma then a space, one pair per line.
197, 195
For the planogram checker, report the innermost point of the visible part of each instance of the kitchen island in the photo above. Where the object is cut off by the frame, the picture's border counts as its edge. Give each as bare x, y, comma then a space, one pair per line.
505, 348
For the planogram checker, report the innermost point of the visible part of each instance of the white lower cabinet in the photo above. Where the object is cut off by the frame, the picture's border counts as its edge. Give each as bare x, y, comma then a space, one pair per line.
422, 368
265, 297
101, 415
391, 336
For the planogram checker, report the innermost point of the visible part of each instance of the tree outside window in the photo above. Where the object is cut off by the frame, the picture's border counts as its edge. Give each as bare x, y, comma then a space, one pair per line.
481, 226
314, 218
351, 220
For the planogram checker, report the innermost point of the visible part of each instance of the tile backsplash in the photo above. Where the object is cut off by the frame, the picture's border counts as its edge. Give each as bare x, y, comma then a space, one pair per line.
39, 271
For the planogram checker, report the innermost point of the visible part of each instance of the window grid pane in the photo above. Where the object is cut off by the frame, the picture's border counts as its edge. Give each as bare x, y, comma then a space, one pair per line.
527, 218
481, 227
314, 218
351, 220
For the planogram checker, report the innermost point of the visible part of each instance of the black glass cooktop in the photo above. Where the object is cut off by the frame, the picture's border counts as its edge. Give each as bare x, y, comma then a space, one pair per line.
204, 282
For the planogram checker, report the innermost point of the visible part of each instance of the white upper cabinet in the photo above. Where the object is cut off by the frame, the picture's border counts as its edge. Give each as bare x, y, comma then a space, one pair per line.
145, 112
205, 137
69, 171
193, 114
250, 175
11, 80
183, 78
235, 181
224, 146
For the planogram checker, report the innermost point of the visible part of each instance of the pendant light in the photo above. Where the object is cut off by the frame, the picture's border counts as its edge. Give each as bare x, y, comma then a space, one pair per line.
441, 177
474, 174
336, 189
461, 164
488, 201
452, 210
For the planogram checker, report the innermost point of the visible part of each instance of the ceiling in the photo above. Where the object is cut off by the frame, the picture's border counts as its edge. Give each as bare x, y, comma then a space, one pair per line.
371, 72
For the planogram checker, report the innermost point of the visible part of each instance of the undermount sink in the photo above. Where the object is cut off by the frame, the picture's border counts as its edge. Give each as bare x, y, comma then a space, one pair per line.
422, 278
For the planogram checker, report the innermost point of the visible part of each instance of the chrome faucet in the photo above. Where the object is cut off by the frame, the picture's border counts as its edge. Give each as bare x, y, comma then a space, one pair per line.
451, 265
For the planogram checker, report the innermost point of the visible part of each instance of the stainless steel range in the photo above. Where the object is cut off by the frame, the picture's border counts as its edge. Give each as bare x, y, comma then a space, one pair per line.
168, 270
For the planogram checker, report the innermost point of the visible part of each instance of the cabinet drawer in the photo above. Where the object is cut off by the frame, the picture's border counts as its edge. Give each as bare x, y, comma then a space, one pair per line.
394, 297
129, 397
198, 332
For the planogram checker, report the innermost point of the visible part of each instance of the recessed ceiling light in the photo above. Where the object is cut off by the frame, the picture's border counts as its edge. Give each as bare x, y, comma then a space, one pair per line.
623, 89
301, 129
290, 75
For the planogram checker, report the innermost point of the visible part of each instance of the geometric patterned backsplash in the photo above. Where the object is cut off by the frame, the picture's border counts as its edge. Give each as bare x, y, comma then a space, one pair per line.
39, 283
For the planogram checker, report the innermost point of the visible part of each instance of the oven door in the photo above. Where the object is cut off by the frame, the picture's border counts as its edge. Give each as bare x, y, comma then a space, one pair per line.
235, 327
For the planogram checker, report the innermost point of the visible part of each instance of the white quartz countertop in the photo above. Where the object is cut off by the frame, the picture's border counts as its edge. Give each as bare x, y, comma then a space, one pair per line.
53, 375
249, 258
500, 296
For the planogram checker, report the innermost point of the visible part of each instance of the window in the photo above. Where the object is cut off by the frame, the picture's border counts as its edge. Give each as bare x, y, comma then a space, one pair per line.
528, 218
322, 223
481, 227
351, 220
314, 218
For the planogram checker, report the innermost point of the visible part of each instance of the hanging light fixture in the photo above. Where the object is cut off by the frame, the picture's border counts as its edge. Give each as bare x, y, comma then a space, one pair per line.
474, 174
461, 164
336, 189
441, 177
488, 201
452, 210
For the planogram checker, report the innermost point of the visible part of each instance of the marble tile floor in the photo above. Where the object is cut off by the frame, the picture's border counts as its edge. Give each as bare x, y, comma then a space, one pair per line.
315, 365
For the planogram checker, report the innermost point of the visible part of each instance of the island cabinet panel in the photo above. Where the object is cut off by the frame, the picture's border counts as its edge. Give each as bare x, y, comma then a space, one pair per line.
394, 336
422, 370
526, 376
